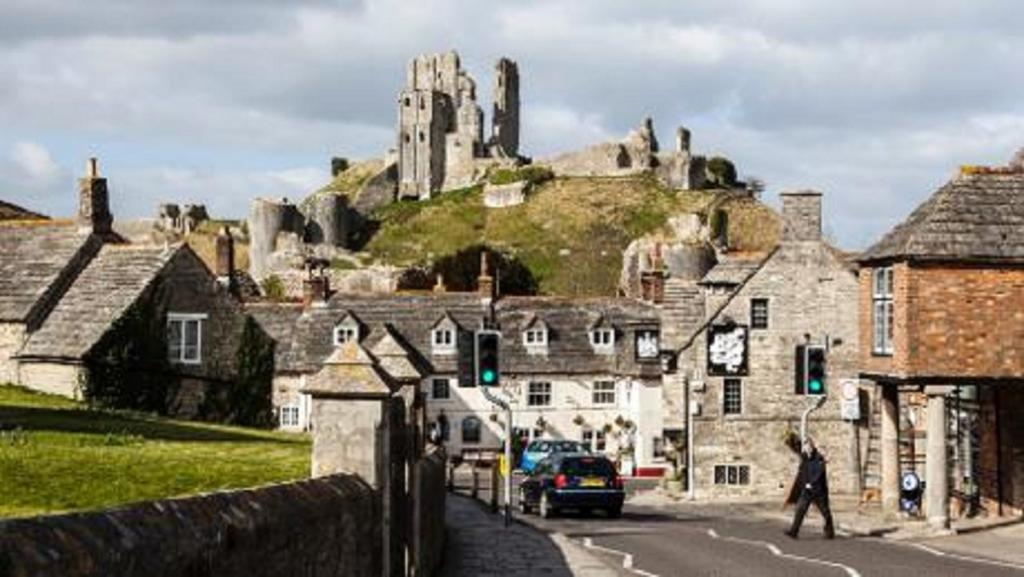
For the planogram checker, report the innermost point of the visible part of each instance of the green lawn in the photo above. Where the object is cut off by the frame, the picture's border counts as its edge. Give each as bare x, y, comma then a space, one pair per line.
57, 455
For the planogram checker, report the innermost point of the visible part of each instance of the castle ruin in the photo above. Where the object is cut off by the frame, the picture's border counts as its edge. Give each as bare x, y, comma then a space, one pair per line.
441, 126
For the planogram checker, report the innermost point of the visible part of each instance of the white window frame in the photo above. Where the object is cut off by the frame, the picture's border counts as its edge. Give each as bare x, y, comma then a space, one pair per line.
442, 340
882, 311
184, 319
602, 396
603, 340
734, 480
541, 391
536, 337
291, 416
725, 403
344, 333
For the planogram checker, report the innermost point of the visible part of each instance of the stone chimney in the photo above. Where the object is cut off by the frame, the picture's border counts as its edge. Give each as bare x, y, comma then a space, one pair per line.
801, 216
225, 249
485, 282
93, 201
439, 286
316, 287
652, 279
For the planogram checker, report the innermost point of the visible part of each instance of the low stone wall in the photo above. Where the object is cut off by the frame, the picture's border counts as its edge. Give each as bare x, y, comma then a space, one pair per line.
428, 495
324, 527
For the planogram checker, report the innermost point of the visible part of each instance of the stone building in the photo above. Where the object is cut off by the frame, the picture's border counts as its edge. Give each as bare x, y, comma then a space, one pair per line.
942, 338
68, 288
738, 368
441, 127
581, 369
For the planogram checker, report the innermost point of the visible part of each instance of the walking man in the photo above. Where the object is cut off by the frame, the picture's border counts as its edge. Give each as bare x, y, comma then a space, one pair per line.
812, 486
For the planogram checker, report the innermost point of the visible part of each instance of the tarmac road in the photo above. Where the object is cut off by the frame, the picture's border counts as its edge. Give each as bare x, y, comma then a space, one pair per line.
657, 543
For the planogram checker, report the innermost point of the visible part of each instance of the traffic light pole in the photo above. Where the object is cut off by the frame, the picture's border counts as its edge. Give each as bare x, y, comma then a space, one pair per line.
508, 450
818, 402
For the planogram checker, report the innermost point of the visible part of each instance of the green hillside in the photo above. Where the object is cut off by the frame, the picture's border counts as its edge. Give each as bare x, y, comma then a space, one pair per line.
568, 236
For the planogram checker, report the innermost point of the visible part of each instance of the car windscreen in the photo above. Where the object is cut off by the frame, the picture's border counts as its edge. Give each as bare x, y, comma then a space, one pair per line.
587, 467
539, 447
566, 447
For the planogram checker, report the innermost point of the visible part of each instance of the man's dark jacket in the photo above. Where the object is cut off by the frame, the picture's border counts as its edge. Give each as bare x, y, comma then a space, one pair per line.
812, 472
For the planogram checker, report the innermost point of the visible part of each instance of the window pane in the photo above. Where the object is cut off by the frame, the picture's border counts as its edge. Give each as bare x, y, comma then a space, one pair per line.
471, 430
191, 348
732, 397
731, 470
888, 326
174, 334
744, 475
719, 474
440, 389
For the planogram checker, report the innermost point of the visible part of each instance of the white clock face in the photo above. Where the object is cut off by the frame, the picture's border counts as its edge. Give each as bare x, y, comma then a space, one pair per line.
727, 348
647, 345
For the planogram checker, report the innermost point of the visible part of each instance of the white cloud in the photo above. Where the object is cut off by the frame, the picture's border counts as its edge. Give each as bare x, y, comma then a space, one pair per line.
32, 162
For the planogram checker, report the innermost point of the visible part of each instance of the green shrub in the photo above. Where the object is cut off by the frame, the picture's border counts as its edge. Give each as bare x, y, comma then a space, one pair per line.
273, 288
533, 175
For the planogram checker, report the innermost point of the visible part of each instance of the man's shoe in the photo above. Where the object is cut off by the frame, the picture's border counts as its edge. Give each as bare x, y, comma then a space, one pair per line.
790, 534
830, 535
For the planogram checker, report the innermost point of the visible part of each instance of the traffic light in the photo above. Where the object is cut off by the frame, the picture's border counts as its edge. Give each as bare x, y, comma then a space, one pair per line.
487, 367
815, 366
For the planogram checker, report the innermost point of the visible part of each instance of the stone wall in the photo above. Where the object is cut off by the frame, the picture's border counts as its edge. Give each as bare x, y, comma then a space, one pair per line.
52, 378
12, 337
322, 527
428, 493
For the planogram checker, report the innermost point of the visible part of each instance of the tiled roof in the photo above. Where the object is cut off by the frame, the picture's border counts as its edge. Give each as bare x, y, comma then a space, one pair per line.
277, 320
100, 295
33, 256
10, 211
569, 321
972, 217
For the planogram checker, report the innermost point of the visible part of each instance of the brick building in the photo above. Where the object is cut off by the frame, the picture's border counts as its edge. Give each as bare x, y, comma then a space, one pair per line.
68, 288
739, 365
942, 334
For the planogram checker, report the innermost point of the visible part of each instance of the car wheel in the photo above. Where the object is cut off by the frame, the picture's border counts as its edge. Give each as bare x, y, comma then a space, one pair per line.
546, 510
614, 512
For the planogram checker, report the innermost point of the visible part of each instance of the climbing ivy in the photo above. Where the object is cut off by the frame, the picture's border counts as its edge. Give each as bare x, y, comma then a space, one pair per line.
249, 393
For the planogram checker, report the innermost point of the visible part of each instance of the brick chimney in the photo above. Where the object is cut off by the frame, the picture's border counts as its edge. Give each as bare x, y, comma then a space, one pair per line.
801, 216
93, 201
485, 282
225, 249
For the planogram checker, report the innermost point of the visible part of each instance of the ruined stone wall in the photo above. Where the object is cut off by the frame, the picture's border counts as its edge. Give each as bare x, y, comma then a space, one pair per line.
268, 219
505, 118
322, 527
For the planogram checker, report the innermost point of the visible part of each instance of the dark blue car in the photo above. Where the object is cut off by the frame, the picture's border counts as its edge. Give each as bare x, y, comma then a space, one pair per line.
582, 482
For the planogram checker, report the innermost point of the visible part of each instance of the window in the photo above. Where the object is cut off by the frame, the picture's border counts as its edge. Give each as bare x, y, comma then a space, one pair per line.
535, 337
439, 389
407, 101
881, 311
184, 338
758, 313
594, 440
344, 334
732, 474
732, 397
290, 416
470, 430
443, 340
604, 393
603, 340
538, 395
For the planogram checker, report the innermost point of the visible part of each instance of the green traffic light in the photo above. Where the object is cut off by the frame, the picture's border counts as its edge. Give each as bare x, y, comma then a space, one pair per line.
488, 376
815, 387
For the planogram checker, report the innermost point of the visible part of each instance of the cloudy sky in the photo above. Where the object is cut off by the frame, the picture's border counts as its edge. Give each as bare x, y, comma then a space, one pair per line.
874, 103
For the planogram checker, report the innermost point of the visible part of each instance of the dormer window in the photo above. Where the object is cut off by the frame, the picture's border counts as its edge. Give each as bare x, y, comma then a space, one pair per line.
347, 330
443, 340
535, 337
603, 339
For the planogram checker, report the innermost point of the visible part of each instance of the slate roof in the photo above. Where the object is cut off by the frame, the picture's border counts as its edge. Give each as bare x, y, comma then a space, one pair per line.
33, 256
101, 294
972, 217
349, 370
732, 271
569, 321
278, 320
11, 211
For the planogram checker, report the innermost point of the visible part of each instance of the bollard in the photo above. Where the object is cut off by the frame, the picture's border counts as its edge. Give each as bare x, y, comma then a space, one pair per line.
494, 487
474, 492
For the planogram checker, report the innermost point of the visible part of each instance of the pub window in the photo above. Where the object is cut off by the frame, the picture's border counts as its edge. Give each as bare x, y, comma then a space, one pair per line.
732, 397
604, 393
470, 430
439, 389
732, 474
538, 394
882, 311
758, 313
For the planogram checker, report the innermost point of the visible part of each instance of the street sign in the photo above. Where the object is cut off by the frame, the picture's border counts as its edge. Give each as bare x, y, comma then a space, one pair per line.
849, 405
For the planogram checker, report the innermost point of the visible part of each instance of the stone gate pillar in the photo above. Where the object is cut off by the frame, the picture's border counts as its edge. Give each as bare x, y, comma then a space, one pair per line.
890, 449
937, 488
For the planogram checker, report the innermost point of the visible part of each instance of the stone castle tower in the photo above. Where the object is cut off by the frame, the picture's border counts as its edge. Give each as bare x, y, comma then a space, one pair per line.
441, 126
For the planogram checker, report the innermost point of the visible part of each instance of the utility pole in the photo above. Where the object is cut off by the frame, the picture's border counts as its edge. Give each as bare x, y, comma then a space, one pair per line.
504, 405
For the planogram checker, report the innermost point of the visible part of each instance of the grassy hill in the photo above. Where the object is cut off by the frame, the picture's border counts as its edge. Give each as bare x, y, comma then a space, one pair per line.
57, 455
570, 233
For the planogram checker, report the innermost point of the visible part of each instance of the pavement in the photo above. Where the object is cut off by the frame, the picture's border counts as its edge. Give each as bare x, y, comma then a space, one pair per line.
657, 536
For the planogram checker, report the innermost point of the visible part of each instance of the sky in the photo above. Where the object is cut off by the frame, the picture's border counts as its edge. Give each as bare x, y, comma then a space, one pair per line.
873, 103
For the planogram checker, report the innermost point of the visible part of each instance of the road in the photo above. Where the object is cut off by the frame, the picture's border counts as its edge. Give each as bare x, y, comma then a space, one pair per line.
700, 543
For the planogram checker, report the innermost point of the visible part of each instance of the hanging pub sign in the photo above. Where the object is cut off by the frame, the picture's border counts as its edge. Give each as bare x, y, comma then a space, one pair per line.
727, 350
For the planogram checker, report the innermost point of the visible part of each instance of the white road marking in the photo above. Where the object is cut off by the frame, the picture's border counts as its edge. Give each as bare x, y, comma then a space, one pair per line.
627, 558
940, 553
780, 553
